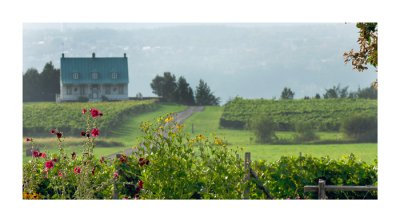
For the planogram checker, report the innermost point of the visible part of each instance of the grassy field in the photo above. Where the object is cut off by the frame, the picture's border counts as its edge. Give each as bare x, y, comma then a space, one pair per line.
123, 137
207, 123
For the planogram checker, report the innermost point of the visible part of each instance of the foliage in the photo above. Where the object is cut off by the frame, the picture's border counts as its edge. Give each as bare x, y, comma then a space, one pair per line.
287, 93
317, 96
367, 93
41, 86
41, 117
164, 86
204, 96
325, 114
361, 127
287, 177
305, 132
336, 92
184, 93
368, 52
264, 129
182, 167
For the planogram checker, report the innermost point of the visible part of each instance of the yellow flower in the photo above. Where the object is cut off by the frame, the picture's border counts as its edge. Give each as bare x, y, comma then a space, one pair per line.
218, 141
179, 126
169, 119
200, 137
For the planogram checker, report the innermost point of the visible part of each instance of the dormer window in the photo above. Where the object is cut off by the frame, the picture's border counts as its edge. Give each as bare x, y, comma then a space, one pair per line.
75, 75
114, 75
95, 75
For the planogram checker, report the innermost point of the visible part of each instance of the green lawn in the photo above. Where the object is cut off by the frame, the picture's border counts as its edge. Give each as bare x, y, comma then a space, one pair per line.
124, 137
207, 123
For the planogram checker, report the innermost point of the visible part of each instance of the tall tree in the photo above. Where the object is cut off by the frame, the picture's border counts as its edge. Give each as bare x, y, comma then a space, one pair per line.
164, 86
204, 96
287, 93
43, 86
183, 92
336, 92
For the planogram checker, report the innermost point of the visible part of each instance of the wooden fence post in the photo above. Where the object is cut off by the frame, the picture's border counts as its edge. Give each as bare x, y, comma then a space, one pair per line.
247, 161
321, 189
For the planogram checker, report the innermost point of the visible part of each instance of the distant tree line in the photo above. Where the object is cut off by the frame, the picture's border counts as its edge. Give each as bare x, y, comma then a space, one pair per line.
41, 86
337, 92
180, 91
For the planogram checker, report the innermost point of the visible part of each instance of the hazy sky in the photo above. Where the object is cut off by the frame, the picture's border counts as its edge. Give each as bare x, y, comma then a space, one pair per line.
248, 60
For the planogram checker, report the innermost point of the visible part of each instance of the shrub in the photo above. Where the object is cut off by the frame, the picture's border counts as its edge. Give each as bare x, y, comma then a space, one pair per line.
83, 99
287, 177
264, 129
361, 127
305, 132
181, 167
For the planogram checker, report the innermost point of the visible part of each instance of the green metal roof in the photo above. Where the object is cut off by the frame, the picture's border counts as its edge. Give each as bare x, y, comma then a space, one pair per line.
104, 66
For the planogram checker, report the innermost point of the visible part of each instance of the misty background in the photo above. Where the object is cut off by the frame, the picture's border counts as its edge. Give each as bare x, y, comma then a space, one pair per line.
247, 60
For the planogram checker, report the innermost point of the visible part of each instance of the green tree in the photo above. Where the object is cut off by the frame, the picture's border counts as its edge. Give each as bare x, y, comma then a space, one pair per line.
164, 86
204, 96
264, 129
367, 93
43, 86
336, 92
183, 92
317, 96
287, 93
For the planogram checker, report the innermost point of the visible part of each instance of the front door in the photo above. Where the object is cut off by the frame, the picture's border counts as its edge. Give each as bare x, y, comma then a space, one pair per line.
95, 91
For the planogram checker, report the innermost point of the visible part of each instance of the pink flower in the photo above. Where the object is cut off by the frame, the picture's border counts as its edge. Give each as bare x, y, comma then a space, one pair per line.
77, 170
60, 174
84, 111
59, 135
116, 175
35, 153
43, 155
53, 131
95, 132
49, 164
95, 112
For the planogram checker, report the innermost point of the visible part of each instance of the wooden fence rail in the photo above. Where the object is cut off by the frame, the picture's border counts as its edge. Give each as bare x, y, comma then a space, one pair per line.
322, 188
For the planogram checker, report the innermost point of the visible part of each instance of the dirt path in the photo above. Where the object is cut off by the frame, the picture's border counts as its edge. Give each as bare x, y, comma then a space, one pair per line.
178, 117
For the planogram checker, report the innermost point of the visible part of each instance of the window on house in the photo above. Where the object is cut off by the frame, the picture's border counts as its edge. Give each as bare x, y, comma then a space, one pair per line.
75, 75
121, 89
95, 75
69, 90
108, 90
114, 75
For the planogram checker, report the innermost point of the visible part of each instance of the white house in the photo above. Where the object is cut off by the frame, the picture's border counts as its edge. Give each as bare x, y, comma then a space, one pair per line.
93, 78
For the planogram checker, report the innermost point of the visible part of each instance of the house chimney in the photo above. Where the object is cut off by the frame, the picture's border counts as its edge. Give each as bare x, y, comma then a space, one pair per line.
93, 55
124, 55
62, 55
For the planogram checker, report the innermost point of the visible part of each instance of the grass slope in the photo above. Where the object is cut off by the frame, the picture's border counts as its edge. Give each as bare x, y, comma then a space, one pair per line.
207, 123
121, 138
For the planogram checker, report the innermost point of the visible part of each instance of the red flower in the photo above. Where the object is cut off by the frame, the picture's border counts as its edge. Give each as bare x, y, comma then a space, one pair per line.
35, 153
83, 133
116, 175
143, 161
29, 140
53, 131
95, 132
95, 112
60, 174
140, 184
77, 170
59, 135
123, 158
49, 164
43, 155
84, 111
